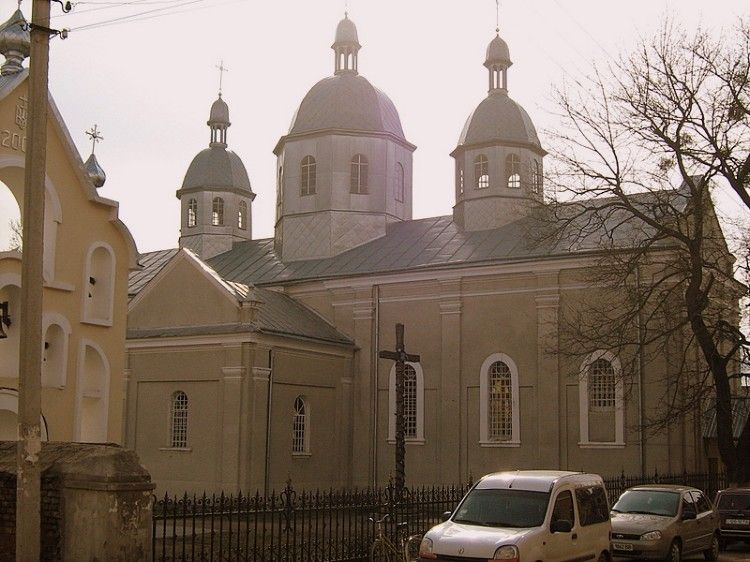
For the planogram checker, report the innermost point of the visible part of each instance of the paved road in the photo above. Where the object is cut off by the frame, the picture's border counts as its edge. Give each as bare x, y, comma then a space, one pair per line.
734, 553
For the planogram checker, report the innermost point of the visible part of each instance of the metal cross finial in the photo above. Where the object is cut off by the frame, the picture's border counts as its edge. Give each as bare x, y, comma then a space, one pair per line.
222, 70
95, 137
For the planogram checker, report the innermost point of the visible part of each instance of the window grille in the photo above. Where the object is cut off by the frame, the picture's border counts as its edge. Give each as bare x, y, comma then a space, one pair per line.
308, 176
217, 216
410, 402
482, 171
513, 169
399, 182
192, 213
359, 174
501, 402
601, 385
178, 426
299, 427
242, 216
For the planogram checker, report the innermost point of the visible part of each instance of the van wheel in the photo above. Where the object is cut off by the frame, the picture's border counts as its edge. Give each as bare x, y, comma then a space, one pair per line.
712, 554
675, 552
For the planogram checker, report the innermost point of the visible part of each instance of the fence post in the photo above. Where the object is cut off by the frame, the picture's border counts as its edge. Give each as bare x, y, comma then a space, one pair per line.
713, 476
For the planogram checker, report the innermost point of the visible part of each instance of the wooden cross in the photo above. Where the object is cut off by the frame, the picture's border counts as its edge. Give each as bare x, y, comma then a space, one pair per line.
95, 137
400, 357
222, 70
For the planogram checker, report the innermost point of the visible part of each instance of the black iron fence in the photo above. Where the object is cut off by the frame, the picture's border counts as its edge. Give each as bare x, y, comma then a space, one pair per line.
318, 526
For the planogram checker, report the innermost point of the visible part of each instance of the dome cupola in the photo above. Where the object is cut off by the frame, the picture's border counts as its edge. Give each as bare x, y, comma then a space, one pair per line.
346, 46
93, 168
216, 193
15, 43
499, 156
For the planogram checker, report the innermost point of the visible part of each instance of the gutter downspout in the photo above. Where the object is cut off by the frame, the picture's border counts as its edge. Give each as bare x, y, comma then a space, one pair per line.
269, 396
374, 384
641, 389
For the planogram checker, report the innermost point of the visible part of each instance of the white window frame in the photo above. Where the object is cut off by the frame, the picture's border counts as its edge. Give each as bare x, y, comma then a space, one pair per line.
583, 403
242, 215
173, 419
418, 439
308, 176
192, 212
484, 397
513, 170
217, 211
305, 452
481, 172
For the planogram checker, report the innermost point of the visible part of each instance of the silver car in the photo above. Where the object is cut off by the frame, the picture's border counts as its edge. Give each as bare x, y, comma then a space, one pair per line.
662, 522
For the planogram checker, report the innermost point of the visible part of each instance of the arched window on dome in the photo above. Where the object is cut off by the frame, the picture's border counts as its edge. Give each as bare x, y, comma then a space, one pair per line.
308, 176
242, 216
359, 174
513, 170
192, 213
217, 215
481, 172
399, 182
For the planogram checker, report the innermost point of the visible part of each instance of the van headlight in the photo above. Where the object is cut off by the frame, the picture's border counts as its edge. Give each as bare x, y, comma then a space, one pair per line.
508, 552
425, 549
651, 536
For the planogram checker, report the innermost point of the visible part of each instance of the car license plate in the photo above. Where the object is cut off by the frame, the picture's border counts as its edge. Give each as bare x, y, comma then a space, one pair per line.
622, 546
738, 521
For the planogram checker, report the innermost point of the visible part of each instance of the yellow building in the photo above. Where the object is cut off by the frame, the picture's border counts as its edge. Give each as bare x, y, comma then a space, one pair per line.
88, 253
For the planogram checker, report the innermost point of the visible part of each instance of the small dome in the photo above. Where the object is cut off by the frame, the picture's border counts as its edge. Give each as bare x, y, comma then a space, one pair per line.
346, 32
95, 171
219, 113
219, 168
346, 101
499, 119
15, 43
498, 53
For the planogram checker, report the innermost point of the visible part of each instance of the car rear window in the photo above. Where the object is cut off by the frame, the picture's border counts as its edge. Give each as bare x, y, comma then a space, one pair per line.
502, 508
592, 505
740, 502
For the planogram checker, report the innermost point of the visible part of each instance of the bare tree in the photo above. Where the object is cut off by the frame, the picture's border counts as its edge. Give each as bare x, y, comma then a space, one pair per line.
642, 147
15, 242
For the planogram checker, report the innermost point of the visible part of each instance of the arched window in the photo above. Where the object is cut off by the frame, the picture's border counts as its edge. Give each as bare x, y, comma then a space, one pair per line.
93, 394
178, 421
192, 213
300, 429
499, 406
99, 284
460, 180
413, 403
513, 170
308, 176
481, 172
399, 182
538, 178
217, 214
601, 401
242, 216
359, 174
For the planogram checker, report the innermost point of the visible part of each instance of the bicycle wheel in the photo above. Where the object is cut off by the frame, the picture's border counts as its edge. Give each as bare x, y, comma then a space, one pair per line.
379, 552
411, 547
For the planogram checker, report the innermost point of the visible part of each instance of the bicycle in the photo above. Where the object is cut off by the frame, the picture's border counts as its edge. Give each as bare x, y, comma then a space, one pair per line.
384, 550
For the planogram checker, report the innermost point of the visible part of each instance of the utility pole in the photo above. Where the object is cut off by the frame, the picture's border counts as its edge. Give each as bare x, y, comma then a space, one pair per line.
28, 482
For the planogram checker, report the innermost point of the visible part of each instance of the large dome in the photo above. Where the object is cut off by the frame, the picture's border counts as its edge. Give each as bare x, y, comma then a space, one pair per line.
346, 101
499, 119
219, 168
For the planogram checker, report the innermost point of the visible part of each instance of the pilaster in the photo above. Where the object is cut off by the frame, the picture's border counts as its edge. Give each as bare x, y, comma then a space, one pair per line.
450, 416
258, 417
365, 390
550, 390
231, 384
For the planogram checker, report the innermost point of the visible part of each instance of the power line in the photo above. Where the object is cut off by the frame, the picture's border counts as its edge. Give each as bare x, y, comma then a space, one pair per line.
110, 5
132, 17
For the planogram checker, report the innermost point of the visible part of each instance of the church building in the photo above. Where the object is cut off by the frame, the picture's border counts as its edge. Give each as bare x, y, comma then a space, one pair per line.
251, 361
88, 253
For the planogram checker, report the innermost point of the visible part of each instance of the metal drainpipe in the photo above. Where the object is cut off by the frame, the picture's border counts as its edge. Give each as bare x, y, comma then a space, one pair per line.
269, 395
641, 389
374, 374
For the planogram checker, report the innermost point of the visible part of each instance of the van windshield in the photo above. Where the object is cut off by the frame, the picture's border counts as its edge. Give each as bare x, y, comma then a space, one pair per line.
503, 508
648, 502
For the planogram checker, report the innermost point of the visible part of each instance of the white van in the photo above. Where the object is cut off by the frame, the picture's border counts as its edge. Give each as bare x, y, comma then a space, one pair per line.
525, 516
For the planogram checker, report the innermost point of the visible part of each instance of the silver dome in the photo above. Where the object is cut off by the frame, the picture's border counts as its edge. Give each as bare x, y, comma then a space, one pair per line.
217, 168
219, 113
498, 53
499, 119
95, 171
346, 32
349, 102
15, 43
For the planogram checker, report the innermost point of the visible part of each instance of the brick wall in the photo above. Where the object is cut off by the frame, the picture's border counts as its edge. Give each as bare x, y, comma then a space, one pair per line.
51, 517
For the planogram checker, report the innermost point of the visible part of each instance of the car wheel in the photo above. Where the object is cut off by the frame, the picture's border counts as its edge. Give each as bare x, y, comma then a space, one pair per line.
675, 552
712, 554
603, 557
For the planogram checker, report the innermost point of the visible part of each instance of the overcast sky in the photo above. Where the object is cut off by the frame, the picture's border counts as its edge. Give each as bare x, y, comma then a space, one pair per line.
148, 82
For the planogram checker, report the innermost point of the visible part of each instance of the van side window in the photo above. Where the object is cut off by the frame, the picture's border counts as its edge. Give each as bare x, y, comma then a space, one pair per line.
563, 510
592, 505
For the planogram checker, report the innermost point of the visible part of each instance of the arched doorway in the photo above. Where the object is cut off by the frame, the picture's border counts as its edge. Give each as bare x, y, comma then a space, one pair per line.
9, 416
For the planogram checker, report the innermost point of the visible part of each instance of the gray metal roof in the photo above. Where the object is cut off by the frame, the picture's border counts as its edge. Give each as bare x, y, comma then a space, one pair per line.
217, 167
499, 119
740, 415
347, 102
151, 264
